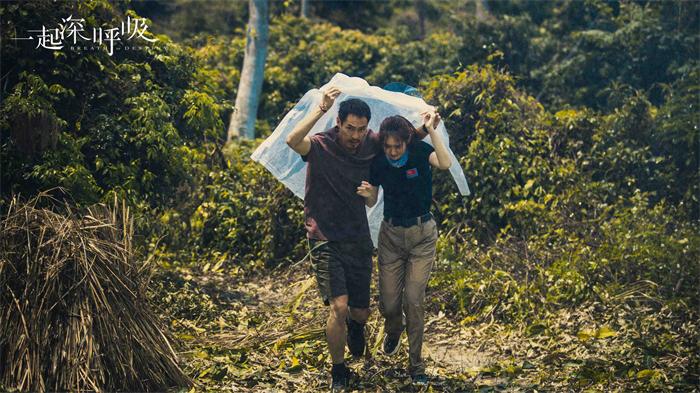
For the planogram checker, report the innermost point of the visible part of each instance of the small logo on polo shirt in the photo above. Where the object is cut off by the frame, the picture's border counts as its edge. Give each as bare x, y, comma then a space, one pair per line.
411, 173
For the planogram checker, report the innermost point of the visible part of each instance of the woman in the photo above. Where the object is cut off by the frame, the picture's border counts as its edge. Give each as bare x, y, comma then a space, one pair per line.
408, 233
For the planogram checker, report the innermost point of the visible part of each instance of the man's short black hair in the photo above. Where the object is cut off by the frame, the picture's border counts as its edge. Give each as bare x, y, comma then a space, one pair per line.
353, 106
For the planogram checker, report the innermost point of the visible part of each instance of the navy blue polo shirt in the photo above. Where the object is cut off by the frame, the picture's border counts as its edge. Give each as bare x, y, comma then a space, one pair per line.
408, 191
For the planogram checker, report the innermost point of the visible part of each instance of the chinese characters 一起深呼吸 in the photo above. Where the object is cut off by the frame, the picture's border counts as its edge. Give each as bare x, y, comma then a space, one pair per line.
72, 29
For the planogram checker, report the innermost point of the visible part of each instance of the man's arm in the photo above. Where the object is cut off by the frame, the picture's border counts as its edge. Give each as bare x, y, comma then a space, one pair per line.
299, 139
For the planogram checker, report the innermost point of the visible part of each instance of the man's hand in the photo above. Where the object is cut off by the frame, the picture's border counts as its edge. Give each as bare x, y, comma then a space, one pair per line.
329, 97
299, 139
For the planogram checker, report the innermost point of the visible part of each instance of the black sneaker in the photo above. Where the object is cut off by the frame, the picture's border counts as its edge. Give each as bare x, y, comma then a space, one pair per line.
356, 337
419, 379
391, 345
341, 378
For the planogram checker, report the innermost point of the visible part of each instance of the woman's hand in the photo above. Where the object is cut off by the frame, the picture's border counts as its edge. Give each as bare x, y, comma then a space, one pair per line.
369, 192
440, 158
365, 189
431, 119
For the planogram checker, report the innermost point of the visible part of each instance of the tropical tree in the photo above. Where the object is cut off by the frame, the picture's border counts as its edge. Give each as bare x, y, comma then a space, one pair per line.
242, 122
305, 8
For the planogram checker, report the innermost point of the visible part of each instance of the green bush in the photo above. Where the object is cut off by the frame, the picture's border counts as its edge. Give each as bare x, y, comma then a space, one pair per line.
501, 138
410, 61
631, 44
567, 208
247, 214
125, 121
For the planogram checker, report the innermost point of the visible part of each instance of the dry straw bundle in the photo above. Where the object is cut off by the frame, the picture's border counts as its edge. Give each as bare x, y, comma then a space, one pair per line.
73, 309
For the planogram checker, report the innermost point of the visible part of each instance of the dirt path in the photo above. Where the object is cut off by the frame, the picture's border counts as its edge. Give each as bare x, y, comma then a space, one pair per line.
268, 335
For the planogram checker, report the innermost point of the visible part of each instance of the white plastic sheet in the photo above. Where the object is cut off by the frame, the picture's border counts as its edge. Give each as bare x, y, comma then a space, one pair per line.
287, 166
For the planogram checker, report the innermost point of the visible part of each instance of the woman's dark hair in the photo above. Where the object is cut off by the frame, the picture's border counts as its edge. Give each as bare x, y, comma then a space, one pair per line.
398, 127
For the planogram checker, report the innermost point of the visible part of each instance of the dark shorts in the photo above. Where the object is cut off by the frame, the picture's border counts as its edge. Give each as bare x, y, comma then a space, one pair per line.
343, 268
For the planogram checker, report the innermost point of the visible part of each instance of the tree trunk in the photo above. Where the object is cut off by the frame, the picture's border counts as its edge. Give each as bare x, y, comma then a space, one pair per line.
482, 9
305, 9
420, 12
242, 122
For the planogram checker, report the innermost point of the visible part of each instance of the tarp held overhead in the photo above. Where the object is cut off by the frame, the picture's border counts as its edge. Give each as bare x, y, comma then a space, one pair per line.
287, 166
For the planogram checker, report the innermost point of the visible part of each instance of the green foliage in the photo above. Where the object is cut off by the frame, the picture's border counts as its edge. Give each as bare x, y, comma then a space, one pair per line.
649, 247
584, 196
183, 19
306, 55
571, 209
501, 138
581, 52
348, 15
302, 56
676, 139
411, 61
124, 134
512, 42
573, 261
638, 46
62, 168
248, 214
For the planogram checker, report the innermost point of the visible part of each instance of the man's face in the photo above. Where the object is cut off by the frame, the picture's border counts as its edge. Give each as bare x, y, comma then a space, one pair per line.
352, 132
394, 147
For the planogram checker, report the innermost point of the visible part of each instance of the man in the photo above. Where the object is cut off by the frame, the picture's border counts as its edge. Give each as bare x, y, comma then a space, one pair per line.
336, 223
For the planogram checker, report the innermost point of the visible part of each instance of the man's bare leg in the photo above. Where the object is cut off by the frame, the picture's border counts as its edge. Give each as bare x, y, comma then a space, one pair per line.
335, 328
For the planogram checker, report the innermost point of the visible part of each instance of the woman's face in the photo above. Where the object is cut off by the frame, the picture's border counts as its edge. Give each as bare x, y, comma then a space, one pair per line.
394, 147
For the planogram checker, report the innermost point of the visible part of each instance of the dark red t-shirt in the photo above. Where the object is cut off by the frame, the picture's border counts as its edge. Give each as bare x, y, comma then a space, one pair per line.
332, 208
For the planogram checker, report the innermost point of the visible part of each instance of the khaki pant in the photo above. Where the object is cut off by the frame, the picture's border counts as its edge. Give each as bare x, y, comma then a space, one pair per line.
406, 257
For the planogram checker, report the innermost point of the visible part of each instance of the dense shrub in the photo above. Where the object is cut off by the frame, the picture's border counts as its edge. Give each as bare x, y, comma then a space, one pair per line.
501, 138
124, 123
412, 61
570, 208
248, 215
580, 52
